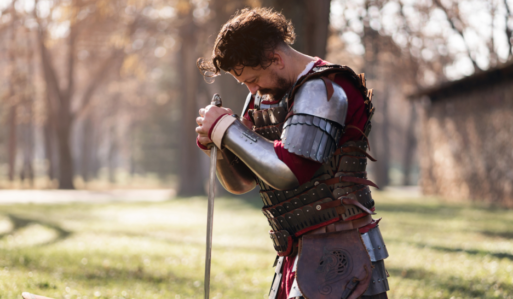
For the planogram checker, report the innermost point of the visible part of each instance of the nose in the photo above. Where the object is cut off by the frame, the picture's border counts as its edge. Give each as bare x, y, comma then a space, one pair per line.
253, 88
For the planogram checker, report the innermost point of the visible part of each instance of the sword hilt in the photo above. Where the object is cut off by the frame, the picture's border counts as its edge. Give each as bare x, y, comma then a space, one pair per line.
216, 100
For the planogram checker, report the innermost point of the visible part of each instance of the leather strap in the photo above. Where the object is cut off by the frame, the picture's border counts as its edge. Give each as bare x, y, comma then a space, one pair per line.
340, 201
349, 179
350, 201
342, 225
220, 128
363, 134
329, 87
348, 149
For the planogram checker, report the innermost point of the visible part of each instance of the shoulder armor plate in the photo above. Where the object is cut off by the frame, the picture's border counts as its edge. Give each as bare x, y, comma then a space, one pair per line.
312, 99
311, 137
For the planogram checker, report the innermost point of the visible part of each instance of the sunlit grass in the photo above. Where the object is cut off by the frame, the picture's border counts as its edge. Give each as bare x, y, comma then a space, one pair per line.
156, 250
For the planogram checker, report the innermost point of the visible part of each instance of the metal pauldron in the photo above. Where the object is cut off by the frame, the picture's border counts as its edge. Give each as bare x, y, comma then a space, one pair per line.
259, 155
312, 98
311, 137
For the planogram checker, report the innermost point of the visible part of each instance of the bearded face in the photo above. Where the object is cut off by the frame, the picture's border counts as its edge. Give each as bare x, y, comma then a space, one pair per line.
280, 88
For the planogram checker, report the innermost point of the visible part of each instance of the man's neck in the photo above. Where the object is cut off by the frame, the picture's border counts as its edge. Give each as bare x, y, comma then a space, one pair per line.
298, 62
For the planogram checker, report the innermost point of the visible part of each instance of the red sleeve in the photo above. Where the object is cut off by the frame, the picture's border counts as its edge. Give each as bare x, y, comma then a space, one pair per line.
356, 114
304, 168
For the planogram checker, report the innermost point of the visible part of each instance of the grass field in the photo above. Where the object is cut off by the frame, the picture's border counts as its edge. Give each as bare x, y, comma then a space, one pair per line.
156, 250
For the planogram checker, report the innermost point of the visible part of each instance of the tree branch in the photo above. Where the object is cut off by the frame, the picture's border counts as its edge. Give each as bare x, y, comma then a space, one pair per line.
458, 30
116, 57
50, 76
509, 32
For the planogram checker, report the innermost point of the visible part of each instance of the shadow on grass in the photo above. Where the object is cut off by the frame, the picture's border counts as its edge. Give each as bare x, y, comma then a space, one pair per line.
469, 288
19, 223
477, 252
504, 235
418, 208
499, 255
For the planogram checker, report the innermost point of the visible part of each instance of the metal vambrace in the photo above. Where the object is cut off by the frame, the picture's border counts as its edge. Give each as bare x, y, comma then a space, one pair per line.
233, 174
259, 155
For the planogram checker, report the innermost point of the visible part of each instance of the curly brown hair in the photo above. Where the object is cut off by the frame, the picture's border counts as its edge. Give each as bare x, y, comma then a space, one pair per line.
246, 40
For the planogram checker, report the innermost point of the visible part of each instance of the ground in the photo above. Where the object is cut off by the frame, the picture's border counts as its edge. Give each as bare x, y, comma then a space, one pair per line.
156, 249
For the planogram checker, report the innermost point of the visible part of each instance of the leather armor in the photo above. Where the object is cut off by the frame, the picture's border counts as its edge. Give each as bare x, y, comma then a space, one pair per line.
338, 195
310, 121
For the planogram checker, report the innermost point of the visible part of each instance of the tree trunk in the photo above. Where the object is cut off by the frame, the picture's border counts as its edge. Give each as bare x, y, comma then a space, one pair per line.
191, 176
12, 141
383, 146
411, 143
27, 136
311, 21
49, 150
87, 147
66, 159
111, 156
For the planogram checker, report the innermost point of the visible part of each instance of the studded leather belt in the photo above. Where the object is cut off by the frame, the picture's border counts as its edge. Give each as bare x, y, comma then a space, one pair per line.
342, 225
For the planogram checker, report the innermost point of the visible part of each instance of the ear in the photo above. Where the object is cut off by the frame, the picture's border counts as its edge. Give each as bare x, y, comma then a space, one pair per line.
277, 59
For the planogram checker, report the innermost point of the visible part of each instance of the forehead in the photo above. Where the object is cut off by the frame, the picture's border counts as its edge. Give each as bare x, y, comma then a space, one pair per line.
242, 74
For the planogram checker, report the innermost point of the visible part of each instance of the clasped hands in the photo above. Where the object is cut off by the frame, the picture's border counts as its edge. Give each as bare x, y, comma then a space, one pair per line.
208, 116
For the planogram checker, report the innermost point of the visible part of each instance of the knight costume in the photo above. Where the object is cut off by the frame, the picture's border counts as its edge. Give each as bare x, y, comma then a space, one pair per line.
308, 154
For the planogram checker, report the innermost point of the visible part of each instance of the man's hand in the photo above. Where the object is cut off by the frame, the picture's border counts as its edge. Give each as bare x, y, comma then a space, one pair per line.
208, 116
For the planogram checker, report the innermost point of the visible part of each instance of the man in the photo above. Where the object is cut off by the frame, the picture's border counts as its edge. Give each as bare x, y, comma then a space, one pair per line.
302, 138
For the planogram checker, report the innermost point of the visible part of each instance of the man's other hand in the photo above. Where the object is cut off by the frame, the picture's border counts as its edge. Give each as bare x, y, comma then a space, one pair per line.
208, 116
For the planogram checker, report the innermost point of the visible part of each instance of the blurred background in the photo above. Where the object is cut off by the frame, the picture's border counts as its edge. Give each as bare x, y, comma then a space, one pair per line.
99, 98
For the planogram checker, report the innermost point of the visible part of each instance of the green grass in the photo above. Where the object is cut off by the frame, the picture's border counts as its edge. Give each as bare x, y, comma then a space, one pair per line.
156, 250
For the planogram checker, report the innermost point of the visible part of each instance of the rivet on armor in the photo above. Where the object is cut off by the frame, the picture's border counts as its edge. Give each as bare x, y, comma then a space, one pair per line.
379, 247
316, 183
318, 207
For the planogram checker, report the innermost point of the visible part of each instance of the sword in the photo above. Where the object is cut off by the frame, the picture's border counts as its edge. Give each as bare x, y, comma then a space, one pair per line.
216, 100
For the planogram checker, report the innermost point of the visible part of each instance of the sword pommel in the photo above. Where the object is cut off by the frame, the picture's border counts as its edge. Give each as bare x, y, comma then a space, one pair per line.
216, 100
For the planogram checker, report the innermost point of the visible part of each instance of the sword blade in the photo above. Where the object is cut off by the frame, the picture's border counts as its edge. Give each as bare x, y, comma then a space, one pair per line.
210, 218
